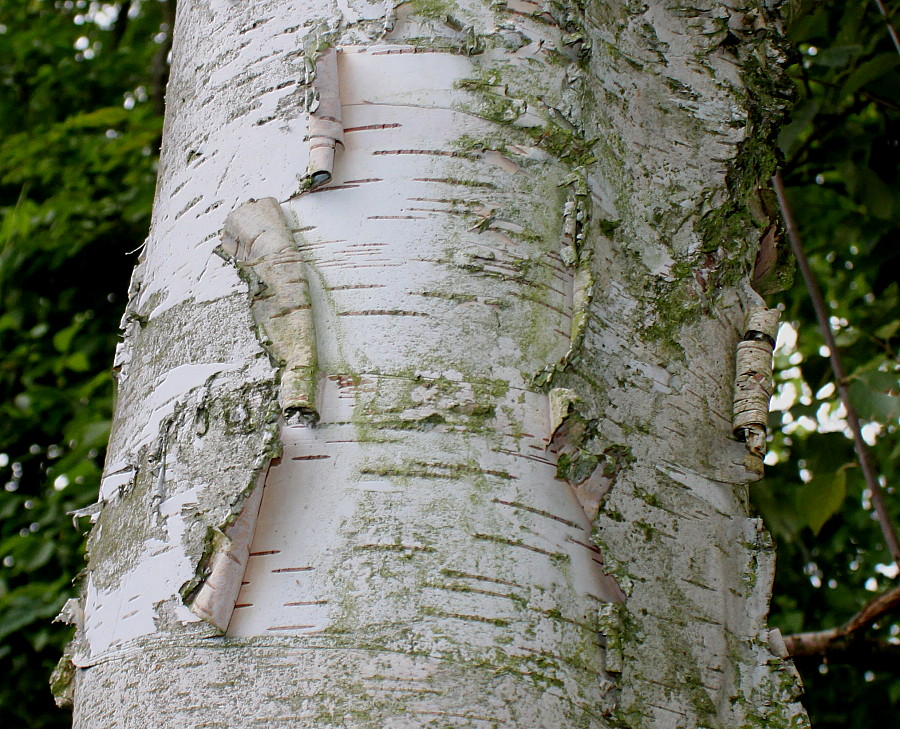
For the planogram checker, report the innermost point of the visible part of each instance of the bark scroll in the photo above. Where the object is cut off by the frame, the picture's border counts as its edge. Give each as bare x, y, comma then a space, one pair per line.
256, 235
753, 380
326, 130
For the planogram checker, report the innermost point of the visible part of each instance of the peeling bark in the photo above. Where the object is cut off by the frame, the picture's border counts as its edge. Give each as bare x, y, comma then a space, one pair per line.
216, 596
257, 236
486, 297
753, 383
325, 128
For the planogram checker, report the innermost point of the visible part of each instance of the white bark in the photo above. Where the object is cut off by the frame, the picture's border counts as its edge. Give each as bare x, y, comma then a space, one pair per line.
484, 373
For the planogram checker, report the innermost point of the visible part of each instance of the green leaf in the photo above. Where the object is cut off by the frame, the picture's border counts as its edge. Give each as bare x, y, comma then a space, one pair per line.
33, 553
873, 405
874, 194
888, 330
895, 454
106, 117
813, 25
821, 498
63, 338
847, 337
78, 362
30, 604
772, 499
801, 119
869, 71
880, 381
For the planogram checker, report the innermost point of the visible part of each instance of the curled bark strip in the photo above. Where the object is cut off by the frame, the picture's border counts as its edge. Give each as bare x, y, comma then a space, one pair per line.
257, 237
214, 600
753, 379
583, 292
326, 129
561, 400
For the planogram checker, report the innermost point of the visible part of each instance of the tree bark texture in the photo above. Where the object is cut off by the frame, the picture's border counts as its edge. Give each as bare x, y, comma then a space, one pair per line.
442, 435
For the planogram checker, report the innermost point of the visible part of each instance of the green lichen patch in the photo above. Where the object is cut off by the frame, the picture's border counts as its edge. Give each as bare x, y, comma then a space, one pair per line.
62, 683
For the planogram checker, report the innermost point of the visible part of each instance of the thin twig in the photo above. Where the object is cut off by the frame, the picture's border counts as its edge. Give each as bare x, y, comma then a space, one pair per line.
892, 31
881, 605
121, 24
819, 642
822, 129
865, 94
862, 450
160, 66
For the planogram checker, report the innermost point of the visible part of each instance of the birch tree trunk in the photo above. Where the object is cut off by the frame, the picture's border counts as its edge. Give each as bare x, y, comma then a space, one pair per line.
442, 436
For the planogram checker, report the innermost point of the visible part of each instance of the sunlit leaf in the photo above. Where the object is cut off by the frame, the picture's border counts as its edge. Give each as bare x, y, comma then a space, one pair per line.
821, 498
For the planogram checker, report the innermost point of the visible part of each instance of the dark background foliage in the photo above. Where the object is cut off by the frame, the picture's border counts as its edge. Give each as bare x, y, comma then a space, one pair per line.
80, 96
81, 87
842, 161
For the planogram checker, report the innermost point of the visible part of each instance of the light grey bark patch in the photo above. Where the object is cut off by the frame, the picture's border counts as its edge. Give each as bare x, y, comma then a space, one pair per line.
317, 684
753, 379
258, 238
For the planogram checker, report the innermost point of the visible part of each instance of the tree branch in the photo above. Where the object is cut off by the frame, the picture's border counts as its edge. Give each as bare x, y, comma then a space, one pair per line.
875, 655
840, 376
121, 24
842, 639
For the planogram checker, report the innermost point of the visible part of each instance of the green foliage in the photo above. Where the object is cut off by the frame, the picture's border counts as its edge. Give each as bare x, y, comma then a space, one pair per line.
79, 134
842, 157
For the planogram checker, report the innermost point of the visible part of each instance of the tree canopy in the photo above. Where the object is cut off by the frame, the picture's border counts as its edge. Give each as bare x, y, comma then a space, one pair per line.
81, 90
